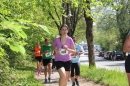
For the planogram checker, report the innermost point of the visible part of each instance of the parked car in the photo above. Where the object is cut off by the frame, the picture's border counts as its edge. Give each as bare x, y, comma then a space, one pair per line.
85, 47
117, 55
101, 54
85, 52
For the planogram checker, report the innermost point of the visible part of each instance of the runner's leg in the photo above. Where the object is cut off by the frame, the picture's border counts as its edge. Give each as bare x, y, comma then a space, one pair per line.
62, 80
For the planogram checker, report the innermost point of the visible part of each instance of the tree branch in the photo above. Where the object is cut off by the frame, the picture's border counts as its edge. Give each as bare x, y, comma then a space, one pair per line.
58, 26
57, 15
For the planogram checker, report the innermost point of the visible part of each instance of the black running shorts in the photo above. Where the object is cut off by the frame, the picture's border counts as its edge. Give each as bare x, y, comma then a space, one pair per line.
127, 64
38, 58
75, 69
60, 64
46, 61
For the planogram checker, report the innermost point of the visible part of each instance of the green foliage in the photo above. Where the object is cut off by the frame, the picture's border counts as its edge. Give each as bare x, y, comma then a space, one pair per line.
17, 48
4, 67
116, 29
16, 19
104, 76
14, 34
80, 31
123, 19
106, 32
21, 76
107, 37
15, 27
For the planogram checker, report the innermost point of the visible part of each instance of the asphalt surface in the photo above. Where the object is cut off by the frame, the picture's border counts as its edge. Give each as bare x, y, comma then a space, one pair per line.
104, 63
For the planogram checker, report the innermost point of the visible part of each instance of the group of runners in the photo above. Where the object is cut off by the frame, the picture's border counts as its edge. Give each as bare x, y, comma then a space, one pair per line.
64, 53
66, 56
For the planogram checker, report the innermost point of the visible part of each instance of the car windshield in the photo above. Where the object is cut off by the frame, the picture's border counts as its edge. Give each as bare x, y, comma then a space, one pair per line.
118, 52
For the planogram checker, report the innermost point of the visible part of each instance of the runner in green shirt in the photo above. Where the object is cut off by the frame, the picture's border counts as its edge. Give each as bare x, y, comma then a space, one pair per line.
48, 50
47, 59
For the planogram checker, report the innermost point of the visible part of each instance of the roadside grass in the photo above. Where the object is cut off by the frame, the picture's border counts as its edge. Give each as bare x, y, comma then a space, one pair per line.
104, 76
24, 76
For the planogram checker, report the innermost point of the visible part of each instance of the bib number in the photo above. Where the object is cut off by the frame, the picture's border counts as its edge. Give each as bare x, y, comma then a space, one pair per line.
48, 54
63, 52
73, 57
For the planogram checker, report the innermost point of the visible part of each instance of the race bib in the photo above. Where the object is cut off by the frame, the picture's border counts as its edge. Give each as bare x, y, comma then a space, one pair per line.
38, 52
48, 54
73, 57
63, 52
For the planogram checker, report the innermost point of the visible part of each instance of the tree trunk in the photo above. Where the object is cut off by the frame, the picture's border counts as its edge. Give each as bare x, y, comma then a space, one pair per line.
89, 35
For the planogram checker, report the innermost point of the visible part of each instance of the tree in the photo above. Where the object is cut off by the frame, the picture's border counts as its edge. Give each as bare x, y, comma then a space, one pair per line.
89, 33
88, 15
107, 31
123, 18
16, 19
59, 10
80, 30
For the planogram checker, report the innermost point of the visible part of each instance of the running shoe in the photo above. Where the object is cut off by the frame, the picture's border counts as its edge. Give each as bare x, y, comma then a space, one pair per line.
73, 84
49, 80
77, 83
38, 73
45, 81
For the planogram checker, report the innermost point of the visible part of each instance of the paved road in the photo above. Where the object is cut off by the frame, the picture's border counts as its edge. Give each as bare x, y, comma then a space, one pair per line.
103, 63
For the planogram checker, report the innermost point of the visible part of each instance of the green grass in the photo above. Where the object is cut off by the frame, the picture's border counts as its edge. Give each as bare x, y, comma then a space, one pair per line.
104, 76
22, 76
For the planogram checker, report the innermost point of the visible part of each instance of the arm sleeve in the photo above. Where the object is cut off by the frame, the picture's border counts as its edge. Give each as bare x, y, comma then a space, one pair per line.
80, 48
71, 42
54, 43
